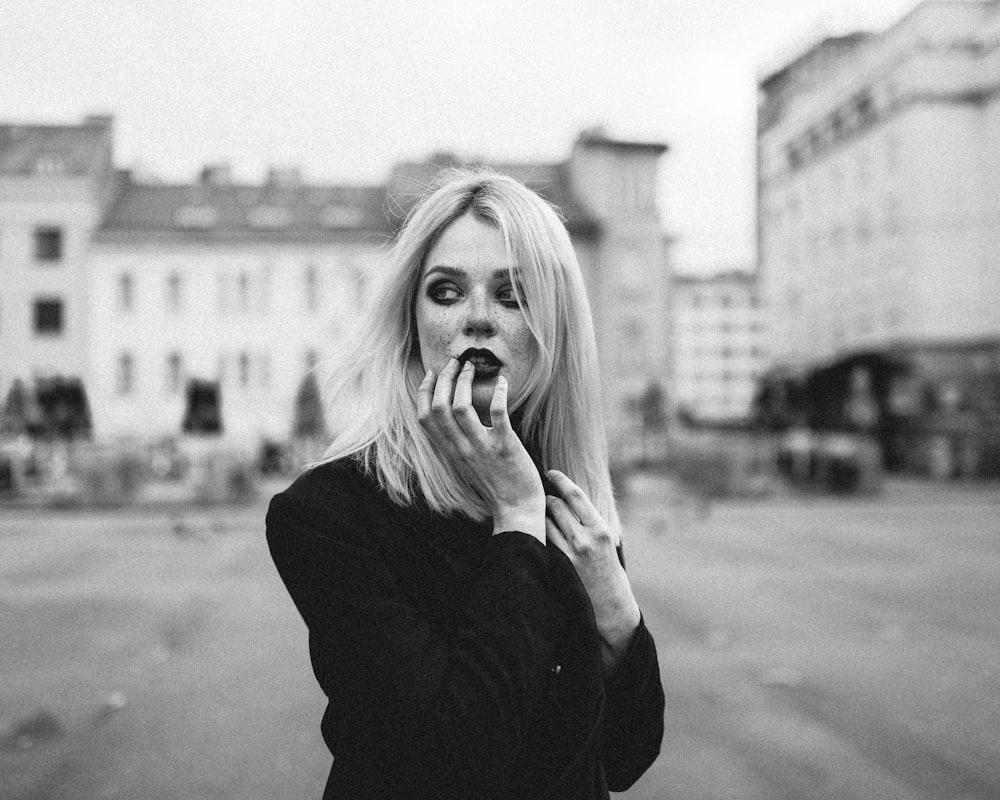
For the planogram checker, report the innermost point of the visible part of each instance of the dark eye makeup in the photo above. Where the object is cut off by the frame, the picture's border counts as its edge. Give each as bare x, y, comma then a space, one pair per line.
445, 293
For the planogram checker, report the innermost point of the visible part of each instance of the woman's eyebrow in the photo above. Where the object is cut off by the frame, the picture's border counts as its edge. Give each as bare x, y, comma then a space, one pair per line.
457, 272
454, 272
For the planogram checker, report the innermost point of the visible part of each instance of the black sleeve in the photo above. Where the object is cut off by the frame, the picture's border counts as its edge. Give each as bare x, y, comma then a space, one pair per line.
633, 722
420, 712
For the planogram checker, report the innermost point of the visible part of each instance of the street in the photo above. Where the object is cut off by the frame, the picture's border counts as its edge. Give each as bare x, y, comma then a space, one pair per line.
825, 648
810, 647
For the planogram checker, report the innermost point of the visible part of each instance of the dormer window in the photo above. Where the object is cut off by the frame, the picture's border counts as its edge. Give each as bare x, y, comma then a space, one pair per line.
196, 217
269, 216
341, 216
49, 165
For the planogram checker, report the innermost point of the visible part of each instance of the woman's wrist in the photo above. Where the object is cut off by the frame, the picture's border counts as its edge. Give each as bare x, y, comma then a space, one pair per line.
527, 517
617, 624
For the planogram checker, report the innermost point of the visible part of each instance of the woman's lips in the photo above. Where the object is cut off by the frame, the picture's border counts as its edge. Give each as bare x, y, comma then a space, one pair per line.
487, 365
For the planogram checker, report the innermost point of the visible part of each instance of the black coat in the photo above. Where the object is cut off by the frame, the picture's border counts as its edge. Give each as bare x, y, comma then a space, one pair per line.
457, 664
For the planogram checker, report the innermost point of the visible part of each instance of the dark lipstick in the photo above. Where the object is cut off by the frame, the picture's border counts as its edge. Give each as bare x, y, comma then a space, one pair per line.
485, 361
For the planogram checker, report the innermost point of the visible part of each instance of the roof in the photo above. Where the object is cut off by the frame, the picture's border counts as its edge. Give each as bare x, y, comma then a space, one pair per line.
596, 137
819, 55
207, 210
55, 149
303, 211
411, 180
727, 277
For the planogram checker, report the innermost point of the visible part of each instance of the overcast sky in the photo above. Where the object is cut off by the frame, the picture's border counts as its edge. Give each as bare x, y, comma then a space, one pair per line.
344, 88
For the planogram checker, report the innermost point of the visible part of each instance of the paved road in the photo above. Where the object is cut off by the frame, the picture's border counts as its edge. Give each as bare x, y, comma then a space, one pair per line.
824, 649
809, 649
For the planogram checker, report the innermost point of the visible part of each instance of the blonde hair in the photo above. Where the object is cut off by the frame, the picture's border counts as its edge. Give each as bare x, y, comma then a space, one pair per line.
558, 410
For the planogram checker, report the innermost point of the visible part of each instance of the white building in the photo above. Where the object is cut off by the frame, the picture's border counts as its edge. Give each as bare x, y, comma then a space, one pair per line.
244, 285
719, 345
139, 287
879, 189
54, 184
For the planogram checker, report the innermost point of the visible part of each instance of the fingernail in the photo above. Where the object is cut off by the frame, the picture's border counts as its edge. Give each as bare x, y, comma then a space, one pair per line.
552, 473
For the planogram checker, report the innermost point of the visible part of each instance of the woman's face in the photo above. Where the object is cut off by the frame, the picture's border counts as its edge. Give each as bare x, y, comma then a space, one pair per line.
466, 308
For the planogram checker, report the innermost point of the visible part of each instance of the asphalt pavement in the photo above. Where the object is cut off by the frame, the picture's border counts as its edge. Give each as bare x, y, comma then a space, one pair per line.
810, 647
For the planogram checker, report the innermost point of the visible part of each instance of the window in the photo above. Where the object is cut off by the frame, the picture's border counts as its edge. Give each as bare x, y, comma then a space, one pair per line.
264, 370
243, 289
794, 157
244, 370
864, 108
311, 286
892, 216
48, 243
863, 228
174, 293
48, 317
126, 373
126, 292
174, 373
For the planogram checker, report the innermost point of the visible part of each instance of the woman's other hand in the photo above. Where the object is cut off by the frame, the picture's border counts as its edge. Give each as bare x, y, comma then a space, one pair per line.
576, 528
492, 458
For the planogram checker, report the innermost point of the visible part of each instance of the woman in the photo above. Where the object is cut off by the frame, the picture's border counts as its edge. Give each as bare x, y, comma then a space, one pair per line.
469, 617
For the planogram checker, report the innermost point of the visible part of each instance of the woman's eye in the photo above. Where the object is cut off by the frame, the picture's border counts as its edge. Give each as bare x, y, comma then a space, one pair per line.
443, 293
507, 297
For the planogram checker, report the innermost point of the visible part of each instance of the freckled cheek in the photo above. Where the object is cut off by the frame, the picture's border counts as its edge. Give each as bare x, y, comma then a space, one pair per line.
522, 348
435, 331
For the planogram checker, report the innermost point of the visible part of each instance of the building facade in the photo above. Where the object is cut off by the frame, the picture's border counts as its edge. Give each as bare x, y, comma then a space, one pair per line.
879, 189
55, 182
719, 346
139, 287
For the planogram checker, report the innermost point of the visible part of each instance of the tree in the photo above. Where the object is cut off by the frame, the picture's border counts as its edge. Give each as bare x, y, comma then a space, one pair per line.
309, 421
64, 411
17, 410
651, 408
204, 408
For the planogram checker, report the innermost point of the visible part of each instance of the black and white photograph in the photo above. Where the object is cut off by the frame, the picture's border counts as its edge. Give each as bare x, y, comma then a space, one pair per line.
500, 401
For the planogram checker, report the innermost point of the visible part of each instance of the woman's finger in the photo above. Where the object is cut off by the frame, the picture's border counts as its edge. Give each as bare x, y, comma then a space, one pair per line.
563, 517
424, 394
554, 535
498, 406
462, 406
441, 413
576, 499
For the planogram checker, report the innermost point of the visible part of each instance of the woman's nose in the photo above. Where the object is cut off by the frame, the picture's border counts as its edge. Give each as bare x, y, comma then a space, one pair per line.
479, 319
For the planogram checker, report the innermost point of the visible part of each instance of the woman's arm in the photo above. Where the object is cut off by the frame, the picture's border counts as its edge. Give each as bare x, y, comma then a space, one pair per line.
633, 724
419, 710
576, 528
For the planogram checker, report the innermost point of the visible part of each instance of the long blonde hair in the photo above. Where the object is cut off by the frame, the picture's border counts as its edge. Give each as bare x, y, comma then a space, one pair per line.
560, 419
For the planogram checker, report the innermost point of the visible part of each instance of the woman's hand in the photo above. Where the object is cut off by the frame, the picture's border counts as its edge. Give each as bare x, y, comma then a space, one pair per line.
493, 459
576, 528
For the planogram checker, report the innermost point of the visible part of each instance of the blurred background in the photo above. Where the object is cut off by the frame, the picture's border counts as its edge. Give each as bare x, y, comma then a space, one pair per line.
788, 217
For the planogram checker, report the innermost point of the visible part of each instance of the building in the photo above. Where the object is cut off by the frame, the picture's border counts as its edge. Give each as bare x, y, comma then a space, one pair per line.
878, 234
879, 189
139, 287
55, 182
719, 345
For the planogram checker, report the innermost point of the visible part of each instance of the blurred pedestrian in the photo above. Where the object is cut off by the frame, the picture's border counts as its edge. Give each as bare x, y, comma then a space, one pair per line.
455, 556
